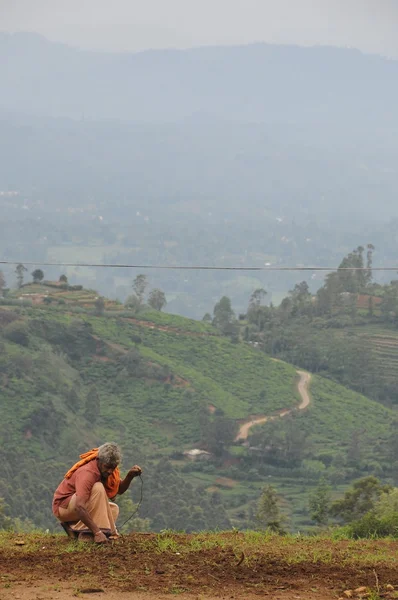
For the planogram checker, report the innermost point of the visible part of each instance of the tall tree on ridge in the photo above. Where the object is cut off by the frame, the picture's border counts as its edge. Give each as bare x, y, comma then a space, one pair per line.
140, 284
2, 282
37, 275
20, 269
157, 299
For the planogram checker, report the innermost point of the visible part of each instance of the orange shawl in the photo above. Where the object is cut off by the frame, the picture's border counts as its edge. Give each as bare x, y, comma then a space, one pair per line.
112, 483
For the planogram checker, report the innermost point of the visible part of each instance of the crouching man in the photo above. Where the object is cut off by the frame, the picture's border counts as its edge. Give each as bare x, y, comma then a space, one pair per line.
81, 501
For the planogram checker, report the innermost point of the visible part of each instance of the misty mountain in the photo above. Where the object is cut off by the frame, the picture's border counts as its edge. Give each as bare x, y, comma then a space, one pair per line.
255, 83
233, 156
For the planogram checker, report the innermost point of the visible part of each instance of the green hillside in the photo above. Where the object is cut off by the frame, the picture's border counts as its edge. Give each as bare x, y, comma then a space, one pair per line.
160, 385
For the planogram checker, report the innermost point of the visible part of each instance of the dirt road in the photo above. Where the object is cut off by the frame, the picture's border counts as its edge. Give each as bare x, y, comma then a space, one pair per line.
303, 390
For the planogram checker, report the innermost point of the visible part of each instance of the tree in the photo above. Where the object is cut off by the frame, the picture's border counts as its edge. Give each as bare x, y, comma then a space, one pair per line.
346, 280
139, 286
256, 313
284, 441
353, 281
359, 500
207, 318
20, 269
324, 301
301, 292
331, 297
369, 262
220, 434
268, 515
387, 505
133, 303
157, 299
223, 315
37, 275
257, 297
301, 297
319, 503
2, 282
63, 279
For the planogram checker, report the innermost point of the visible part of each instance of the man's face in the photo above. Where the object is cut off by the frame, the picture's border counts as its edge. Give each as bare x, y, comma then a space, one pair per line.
105, 470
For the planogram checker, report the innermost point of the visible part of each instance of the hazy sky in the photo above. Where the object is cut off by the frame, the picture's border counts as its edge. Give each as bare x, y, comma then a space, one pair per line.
130, 25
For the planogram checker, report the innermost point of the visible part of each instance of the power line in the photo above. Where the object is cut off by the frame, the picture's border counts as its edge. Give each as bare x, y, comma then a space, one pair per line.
191, 267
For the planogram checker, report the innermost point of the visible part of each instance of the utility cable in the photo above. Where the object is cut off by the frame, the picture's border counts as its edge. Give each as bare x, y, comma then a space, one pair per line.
192, 267
138, 505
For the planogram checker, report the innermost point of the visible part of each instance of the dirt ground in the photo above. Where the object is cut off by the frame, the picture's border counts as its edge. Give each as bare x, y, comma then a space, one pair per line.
140, 567
66, 592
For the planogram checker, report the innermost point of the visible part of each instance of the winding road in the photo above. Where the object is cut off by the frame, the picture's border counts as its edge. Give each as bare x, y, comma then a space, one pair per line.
303, 390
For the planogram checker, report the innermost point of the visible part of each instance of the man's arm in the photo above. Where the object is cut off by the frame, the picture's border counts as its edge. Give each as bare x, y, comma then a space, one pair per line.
125, 483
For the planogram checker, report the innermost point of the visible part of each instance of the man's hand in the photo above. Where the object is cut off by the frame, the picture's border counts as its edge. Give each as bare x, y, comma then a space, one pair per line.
135, 471
100, 538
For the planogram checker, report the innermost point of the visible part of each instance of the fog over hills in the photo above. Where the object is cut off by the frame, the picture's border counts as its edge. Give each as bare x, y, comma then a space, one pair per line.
229, 155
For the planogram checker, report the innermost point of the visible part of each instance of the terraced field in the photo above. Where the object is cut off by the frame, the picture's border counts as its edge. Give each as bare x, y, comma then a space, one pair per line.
40, 293
384, 344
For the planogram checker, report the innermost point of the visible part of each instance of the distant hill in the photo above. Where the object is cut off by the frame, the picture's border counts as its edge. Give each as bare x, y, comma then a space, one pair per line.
255, 83
242, 155
161, 385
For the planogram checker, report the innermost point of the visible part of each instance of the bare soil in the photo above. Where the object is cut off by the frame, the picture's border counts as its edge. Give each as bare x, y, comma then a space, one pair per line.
147, 566
46, 591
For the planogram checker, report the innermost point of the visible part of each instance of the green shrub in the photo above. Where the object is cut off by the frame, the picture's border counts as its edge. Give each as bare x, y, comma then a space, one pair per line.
16, 302
7, 317
371, 526
387, 505
17, 332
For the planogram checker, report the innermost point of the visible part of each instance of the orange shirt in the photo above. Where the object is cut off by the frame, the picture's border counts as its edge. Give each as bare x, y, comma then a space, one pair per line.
80, 483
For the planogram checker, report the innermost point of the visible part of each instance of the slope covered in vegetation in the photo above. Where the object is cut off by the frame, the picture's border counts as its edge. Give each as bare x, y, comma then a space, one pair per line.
70, 381
73, 377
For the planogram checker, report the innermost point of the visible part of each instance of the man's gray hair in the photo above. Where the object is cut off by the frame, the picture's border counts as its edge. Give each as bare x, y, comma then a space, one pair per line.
109, 454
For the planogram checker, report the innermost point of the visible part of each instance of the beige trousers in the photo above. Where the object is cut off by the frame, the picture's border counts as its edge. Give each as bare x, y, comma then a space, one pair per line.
103, 512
